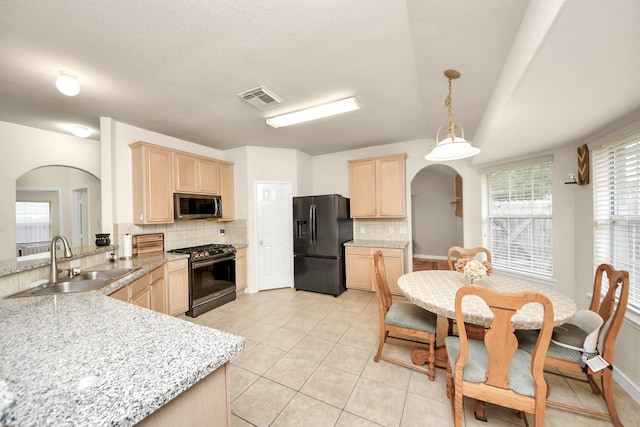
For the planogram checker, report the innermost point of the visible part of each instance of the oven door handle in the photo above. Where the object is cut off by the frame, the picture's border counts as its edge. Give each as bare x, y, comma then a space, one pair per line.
211, 262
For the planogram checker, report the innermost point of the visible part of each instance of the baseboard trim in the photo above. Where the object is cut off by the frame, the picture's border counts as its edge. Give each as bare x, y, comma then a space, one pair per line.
625, 382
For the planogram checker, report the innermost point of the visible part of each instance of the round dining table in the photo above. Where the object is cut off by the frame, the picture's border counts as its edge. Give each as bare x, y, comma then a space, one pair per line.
435, 291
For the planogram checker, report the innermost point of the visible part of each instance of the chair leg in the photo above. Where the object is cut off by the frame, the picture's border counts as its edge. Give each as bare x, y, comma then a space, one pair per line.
432, 358
592, 383
607, 394
458, 408
383, 338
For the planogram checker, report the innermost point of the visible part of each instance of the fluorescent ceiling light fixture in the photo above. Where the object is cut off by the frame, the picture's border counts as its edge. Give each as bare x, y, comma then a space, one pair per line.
313, 113
68, 84
452, 147
80, 131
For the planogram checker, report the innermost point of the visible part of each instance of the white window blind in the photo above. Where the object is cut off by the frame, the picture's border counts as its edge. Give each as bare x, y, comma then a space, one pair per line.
517, 207
616, 208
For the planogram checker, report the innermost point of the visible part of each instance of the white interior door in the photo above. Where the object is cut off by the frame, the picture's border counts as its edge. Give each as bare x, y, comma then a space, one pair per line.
274, 214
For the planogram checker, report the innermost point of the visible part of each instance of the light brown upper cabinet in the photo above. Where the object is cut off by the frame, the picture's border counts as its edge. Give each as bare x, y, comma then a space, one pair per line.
152, 184
195, 174
225, 174
159, 172
377, 187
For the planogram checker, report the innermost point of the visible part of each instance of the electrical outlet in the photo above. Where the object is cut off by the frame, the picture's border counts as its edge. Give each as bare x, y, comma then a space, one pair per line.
362, 230
391, 229
221, 232
403, 230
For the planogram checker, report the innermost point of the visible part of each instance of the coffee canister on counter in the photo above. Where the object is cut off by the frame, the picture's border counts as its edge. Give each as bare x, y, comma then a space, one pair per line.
103, 239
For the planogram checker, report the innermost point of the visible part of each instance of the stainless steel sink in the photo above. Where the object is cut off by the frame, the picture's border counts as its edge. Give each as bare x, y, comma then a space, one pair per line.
112, 274
72, 286
85, 281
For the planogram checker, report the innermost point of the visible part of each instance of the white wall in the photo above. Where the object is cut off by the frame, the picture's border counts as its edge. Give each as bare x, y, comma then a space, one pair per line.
26, 148
265, 164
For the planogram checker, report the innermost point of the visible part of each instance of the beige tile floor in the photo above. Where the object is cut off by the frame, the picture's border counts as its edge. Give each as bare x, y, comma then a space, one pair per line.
309, 362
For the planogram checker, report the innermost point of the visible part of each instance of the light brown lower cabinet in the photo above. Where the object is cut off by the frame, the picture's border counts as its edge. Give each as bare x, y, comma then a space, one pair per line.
157, 292
206, 403
139, 292
241, 269
358, 266
147, 291
177, 277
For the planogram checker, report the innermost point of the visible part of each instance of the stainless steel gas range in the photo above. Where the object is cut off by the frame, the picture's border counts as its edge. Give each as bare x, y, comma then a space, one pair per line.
212, 276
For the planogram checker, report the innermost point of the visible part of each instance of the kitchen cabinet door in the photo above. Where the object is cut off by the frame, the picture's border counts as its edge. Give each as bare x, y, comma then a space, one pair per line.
195, 174
390, 187
157, 294
362, 184
152, 184
377, 187
225, 173
177, 276
140, 292
241, 269
209, 182
358, 266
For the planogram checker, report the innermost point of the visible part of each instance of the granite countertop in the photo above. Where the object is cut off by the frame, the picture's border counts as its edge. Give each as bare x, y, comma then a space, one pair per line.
389, 244
88, 359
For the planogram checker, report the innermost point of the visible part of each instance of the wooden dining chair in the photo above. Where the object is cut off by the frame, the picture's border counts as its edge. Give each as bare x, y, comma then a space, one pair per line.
495, 370
406, 321
571, 360
456, 252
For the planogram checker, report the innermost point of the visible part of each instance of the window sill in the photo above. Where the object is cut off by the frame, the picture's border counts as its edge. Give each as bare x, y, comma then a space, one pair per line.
550, 281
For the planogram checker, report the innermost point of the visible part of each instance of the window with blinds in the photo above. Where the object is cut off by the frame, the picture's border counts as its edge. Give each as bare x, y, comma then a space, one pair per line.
616, 209
517, 215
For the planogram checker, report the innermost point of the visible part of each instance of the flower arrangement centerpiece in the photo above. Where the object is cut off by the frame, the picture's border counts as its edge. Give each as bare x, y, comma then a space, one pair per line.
474, 270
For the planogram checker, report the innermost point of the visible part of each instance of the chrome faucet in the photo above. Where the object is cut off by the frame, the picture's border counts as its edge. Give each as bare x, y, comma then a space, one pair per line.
54, 262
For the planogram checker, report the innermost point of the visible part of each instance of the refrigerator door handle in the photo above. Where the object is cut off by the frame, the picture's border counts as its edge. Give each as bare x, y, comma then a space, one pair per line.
314, 237
311, 224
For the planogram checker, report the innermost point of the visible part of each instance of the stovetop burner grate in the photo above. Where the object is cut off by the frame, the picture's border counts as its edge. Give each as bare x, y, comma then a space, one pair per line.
201, 252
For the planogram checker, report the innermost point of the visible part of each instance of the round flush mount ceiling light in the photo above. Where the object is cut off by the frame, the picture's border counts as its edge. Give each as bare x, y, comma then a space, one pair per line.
68, 84
80, 131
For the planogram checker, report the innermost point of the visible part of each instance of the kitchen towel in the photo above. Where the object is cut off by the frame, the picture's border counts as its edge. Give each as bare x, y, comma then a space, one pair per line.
127, 246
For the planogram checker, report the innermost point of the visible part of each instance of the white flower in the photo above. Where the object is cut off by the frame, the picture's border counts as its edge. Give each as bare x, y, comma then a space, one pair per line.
475, 269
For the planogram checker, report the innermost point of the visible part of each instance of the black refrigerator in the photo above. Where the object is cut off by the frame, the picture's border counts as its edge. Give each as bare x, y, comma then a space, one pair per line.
321, 224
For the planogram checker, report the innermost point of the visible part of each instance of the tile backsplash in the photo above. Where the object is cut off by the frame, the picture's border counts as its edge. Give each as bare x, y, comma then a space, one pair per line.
381, 229
186, 233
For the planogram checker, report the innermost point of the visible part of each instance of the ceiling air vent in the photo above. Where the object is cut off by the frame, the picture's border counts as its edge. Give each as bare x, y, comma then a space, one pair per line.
261, 98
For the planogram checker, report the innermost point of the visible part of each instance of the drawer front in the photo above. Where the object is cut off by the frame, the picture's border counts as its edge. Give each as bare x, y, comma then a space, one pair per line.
139, 286
357, 250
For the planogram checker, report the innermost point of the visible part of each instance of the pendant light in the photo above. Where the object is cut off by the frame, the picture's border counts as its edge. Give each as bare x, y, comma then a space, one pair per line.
452, 147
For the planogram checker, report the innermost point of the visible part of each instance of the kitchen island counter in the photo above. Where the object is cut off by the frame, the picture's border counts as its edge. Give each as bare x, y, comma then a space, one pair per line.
87, 359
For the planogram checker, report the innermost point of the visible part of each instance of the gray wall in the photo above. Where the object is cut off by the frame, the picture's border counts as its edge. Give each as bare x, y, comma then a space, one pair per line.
435, 226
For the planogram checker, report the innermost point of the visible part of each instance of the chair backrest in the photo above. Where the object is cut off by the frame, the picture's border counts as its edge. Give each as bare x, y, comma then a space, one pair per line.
612, 314
380, 280
456, 252
499, 339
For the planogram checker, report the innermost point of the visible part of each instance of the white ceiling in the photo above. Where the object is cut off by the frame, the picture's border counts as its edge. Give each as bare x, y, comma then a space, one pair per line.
535, 73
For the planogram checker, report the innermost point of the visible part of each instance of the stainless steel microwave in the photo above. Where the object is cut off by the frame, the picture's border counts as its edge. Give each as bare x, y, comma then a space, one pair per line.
196, 206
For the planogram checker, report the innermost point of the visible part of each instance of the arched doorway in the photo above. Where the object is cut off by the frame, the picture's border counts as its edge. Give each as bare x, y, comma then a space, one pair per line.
436, 212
